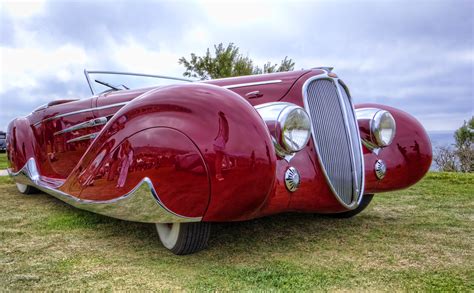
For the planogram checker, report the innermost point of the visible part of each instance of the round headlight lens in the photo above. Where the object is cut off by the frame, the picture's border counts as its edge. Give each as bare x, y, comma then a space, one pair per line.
383, 128
295, 128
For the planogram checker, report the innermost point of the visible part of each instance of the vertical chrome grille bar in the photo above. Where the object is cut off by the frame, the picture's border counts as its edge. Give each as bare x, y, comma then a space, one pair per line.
355, 137
336, 137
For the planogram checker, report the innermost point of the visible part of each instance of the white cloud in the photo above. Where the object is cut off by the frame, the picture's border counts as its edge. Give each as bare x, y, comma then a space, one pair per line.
22, 8
384, 51
136, 58
20, 67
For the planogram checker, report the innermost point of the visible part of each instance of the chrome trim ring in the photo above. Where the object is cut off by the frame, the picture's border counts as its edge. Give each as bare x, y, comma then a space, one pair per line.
376, 131
275, 115
231, 86
372, 116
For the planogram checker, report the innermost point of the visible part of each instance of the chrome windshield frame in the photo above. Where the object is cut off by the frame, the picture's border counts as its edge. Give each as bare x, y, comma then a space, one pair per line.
87, 72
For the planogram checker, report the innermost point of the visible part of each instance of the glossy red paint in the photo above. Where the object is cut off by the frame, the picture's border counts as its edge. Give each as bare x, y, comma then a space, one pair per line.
409, 156
270, 92
172, 162
204, 147
21, 143
231, 162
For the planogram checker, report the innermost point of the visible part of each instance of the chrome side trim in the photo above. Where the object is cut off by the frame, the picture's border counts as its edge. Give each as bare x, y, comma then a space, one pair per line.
83, 111
231, 86
82, 125
84, 137
141, 204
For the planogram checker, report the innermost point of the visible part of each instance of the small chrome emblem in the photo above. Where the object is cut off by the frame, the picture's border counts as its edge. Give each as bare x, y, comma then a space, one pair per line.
380, 169
292, 179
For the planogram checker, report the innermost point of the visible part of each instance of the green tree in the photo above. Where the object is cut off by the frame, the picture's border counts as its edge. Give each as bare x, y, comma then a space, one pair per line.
228, 62
464, 137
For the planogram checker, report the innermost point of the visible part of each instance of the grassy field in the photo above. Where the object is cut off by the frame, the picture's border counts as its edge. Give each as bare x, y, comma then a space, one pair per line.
417, 239
3, 161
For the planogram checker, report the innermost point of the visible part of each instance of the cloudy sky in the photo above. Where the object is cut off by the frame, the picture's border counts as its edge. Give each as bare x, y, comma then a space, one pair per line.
416, 55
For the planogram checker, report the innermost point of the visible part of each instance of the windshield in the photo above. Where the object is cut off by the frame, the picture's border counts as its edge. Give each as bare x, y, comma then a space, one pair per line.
103, 81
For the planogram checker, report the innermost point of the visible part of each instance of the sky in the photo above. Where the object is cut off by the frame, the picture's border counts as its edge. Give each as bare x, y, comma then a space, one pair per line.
415, 55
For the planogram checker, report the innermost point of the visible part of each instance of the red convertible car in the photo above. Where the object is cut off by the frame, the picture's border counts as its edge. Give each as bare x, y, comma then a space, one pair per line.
185, 154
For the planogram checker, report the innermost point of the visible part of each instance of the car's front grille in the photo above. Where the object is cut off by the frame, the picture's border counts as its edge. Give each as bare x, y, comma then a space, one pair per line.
336, 137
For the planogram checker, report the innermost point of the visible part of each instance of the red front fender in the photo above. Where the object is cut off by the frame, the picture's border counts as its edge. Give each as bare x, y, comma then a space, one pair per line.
407, 158
202, 131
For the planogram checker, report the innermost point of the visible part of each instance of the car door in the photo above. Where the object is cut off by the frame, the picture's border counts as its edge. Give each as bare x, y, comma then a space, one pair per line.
68, 128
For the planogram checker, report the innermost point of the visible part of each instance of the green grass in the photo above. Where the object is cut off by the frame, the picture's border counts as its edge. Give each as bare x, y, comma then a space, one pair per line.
419, 239
3, 161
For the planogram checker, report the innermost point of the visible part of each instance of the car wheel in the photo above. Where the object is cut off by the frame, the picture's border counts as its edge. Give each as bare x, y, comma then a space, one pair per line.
366, 199
26, 189
184, 238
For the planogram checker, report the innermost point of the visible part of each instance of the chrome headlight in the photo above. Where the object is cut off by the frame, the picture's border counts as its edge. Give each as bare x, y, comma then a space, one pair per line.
383, 128
295, 128
288, 124
377, 127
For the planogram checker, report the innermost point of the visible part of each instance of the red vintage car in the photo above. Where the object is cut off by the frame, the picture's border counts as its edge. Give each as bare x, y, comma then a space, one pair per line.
185, 154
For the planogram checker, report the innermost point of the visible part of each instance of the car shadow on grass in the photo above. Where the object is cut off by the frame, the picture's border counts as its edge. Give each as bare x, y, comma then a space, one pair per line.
282, 232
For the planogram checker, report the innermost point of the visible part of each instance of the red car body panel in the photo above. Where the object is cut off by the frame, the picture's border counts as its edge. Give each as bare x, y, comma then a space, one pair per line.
203, 146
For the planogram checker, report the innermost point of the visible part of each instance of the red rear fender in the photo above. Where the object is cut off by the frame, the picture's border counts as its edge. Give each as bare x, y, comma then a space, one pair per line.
22, 144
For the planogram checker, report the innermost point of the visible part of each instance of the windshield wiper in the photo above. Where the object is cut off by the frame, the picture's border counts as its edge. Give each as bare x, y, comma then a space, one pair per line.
107, 85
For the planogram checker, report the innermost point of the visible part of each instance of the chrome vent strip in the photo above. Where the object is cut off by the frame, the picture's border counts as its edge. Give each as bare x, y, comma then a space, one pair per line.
84, 137
336, 137
83, 111
87, 124
231, 86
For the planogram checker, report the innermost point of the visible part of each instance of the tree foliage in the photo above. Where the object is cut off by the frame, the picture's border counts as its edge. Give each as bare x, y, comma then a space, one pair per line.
227, 62
445, 159
461, 157
464, 137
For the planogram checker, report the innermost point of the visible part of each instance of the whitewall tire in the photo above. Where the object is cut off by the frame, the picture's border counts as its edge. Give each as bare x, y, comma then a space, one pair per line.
184, 238
26, 189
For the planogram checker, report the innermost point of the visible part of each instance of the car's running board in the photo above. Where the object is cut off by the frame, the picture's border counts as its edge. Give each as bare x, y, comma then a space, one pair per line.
141, 204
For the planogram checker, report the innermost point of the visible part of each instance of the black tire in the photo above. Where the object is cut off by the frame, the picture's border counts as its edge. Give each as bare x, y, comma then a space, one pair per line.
26, 189
184, 238
366, 199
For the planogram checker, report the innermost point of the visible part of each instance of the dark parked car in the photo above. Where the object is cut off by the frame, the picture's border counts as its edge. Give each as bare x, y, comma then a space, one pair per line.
3, 141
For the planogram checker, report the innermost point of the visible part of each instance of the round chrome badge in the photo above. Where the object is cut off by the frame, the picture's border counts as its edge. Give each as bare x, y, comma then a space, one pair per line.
292, 179
380, 169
